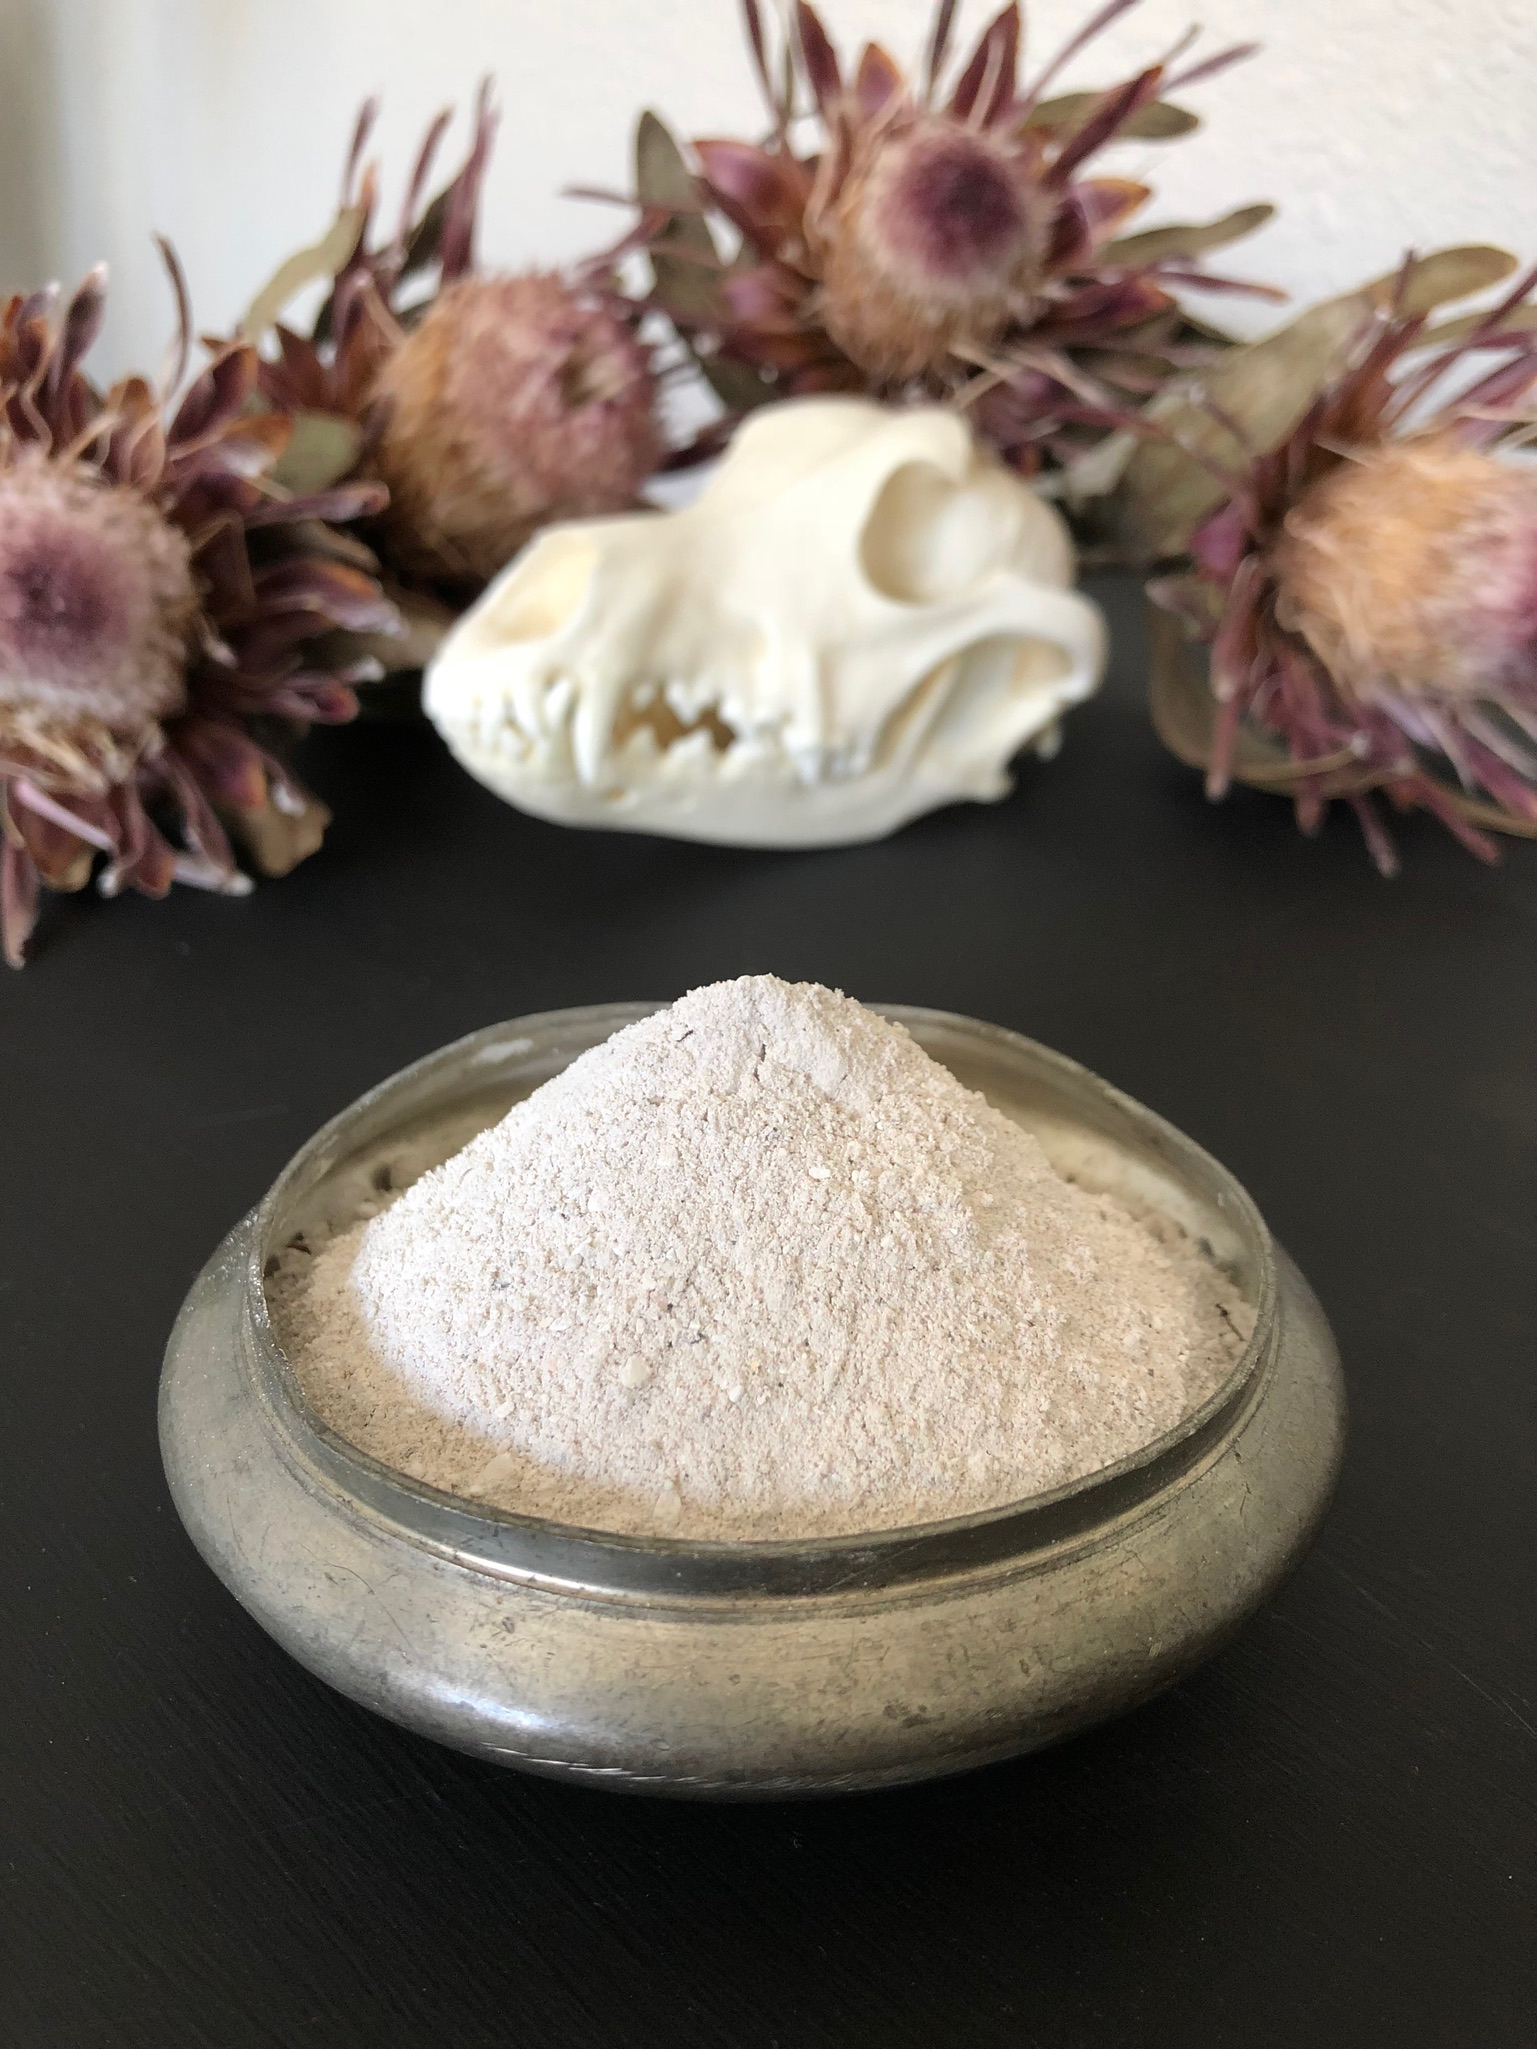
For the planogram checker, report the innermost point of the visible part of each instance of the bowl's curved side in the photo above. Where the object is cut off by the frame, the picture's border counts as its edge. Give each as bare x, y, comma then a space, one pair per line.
748, 1697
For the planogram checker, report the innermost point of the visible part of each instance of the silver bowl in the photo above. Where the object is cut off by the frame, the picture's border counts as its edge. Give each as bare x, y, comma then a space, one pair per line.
747, 1669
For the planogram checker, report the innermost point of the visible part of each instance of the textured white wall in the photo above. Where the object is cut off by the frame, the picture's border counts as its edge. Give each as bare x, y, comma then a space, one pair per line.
1375, 123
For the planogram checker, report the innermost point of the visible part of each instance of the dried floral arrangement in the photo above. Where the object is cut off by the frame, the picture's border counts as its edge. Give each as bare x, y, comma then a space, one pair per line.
932, 241
1358, 552
195, 570
487, 403
161, 591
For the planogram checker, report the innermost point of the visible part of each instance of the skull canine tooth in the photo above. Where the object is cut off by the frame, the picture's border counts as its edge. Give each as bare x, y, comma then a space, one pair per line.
559, 696
862, 617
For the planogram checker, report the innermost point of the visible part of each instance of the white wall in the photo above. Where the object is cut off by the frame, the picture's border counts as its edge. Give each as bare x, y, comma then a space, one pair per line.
1375, 123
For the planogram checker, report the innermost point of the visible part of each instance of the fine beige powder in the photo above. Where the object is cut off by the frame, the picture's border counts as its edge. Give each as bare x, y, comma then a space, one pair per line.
755, 1267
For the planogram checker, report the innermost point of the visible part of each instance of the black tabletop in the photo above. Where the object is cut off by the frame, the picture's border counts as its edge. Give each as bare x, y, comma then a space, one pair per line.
1328, 1836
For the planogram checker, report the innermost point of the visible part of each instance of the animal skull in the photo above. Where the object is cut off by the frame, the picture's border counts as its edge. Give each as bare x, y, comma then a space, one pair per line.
861, 617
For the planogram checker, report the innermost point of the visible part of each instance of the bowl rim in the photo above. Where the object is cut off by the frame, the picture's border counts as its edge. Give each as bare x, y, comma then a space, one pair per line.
509, 1544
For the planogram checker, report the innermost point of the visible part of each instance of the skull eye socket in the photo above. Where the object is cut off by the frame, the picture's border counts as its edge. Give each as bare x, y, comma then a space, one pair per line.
532, 607
928, 538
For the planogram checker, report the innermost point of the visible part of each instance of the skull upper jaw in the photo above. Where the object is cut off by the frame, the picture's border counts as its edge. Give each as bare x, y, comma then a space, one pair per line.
950, 740
861, 618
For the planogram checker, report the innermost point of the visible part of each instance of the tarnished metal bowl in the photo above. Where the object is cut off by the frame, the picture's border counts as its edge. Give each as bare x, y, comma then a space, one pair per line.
747, 1669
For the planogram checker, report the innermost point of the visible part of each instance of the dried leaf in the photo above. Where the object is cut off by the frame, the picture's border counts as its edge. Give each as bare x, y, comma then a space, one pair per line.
323, 260
1154, 244
1159, 121
737, 385
1519, 320
1183, 712
1104, 124
1265, 387
323, 448
278, 840
688, 288
1445, 275
1090, 476
690, 285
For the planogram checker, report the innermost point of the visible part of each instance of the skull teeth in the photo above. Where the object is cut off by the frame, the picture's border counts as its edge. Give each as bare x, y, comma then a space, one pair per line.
683, 728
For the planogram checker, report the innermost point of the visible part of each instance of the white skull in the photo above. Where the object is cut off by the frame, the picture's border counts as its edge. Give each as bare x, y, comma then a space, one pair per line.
861, 617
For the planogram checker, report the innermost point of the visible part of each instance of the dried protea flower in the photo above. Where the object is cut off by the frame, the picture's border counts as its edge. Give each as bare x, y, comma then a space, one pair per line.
158, 593
1413, 570
374, 289
1369, 587
490, 404
515, 401
97, 602
932, 244
936, 239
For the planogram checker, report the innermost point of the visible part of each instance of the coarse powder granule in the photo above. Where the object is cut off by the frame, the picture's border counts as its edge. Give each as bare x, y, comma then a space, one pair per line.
755, 1267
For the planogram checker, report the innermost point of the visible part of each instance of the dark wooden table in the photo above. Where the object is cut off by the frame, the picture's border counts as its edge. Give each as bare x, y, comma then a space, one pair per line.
1329, 1836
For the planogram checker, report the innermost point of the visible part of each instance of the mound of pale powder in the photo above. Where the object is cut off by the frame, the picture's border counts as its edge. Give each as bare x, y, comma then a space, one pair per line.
756, 1267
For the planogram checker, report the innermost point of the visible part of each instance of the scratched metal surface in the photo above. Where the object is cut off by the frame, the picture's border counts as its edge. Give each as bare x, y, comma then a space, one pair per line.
1327, 1836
